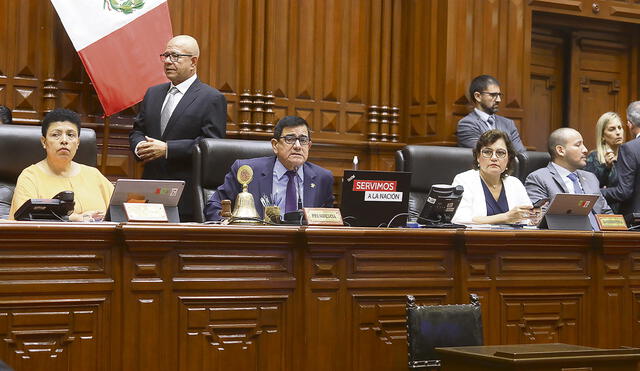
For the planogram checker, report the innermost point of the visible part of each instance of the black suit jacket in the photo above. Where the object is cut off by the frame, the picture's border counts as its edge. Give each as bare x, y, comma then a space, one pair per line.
201, 113
627, 191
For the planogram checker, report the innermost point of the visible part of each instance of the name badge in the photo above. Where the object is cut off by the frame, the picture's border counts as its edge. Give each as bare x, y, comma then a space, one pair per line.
609, 222
323, 216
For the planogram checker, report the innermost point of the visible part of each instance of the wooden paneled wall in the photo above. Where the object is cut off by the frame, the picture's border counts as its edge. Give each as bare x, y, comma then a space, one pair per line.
369, 75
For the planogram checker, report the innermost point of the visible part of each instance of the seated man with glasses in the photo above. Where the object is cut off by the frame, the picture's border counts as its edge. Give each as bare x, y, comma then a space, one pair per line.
484, 92
173, 116
287, 179
491, 195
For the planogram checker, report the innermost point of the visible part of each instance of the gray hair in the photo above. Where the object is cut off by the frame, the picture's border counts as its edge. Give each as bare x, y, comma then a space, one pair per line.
633, 113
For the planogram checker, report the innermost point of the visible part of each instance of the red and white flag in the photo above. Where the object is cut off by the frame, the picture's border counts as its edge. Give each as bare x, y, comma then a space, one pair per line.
119, 43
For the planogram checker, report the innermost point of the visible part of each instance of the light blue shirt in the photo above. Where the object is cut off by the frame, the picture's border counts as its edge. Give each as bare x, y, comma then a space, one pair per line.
279, 189
484, 117
564, 174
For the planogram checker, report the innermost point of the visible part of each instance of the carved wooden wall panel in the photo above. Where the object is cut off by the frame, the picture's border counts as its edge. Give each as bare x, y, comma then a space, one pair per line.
187, 297
59, 297
421, 112
617, 10
547, 86
507, 278
242, 332
224, 301
486, 37
599, 80
368, 75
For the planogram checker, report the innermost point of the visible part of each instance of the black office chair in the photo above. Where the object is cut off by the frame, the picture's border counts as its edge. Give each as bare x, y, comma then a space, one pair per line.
432, 326
430, 165
20, 147
533, 161
212, 160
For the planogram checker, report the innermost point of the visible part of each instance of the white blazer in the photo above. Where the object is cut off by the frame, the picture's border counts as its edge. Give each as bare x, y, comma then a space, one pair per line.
473, 202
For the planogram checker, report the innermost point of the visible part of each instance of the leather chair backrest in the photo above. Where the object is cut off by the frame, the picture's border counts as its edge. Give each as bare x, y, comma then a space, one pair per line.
531, 162
431, 165
212, 160
20, 147
431, 326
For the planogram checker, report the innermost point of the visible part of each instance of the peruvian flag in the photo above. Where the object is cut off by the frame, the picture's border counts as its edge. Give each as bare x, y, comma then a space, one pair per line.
119, 43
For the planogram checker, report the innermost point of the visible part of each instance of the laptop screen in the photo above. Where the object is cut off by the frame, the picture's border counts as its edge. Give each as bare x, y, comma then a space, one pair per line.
374, 198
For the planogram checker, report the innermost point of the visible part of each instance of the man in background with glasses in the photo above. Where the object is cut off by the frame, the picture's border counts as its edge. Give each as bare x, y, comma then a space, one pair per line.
485, 94
174, 116
286, 180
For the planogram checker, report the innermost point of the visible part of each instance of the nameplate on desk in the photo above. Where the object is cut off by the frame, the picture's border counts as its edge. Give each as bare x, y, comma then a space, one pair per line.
611, 222
137, 212
322, 216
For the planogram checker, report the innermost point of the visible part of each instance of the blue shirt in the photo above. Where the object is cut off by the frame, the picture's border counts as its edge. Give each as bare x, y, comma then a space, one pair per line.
494, 206
280, 180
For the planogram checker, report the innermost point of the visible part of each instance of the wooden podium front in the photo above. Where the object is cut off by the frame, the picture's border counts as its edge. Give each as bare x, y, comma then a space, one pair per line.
538, 357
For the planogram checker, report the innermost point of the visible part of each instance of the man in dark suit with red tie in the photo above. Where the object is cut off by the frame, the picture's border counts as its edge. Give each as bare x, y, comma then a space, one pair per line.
286, 178
174, 116
627, 190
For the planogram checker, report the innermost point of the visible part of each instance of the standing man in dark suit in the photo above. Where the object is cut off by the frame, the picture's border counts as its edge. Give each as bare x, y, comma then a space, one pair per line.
286, 177
174, 116
627, 191
563, 174
484, 92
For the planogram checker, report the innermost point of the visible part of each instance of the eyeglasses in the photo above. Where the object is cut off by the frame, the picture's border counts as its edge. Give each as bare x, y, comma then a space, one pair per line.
291, 139
488, 153
173, 57
493, 95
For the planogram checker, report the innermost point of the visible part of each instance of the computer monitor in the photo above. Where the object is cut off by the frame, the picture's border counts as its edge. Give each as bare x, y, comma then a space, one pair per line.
165, 192
441, 204
375, 198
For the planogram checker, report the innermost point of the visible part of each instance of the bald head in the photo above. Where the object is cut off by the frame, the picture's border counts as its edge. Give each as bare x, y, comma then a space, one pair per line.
567, 149
186, 43
181, 58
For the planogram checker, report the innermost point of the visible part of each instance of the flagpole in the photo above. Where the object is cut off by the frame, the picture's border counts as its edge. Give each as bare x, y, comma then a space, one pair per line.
105, 146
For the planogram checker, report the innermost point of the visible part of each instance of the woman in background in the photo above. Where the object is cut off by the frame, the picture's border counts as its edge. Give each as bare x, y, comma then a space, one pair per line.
58, 172
609, 137
491, 195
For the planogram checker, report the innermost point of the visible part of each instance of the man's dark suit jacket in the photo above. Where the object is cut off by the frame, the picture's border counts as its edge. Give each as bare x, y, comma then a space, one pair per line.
317, 187
627, 191
547, 182
201, 113
471, 127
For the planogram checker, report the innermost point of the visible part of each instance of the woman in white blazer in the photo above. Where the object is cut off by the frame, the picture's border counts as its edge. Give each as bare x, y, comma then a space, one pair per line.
491, 195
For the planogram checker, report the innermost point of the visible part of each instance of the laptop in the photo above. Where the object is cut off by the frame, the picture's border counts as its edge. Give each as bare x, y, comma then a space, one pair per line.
166, 192
375, 198
569, 211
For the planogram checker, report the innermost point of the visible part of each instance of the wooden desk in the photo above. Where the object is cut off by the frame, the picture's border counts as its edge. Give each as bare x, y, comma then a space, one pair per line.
538, 357
167, 297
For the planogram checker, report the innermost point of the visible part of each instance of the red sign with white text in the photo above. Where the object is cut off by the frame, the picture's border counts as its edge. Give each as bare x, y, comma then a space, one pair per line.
374, 185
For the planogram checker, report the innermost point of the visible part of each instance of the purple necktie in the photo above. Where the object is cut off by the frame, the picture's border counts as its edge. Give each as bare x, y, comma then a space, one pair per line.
291, 201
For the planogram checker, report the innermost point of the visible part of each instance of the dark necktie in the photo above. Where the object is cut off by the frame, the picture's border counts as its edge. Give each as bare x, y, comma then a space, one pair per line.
490, 121
167, 110
291, 200
577, 189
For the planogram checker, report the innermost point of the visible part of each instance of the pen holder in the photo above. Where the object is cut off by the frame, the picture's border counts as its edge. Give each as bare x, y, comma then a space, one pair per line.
272, 214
